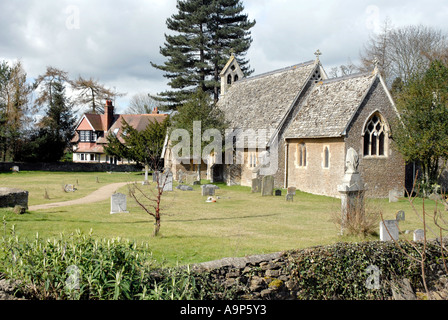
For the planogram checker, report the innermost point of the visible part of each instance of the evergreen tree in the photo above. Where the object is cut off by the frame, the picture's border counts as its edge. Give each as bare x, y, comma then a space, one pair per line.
206, 32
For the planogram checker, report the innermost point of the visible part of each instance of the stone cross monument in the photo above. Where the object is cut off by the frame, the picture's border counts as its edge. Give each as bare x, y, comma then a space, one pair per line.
351, 189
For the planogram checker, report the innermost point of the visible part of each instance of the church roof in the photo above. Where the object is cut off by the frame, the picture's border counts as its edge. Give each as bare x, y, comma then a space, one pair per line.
261, 102
330, 106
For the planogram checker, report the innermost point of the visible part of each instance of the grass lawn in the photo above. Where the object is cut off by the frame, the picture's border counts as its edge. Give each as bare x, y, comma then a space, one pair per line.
238, 224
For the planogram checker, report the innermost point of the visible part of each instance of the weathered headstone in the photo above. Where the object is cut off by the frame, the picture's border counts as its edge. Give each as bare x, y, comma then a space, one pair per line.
389, 230
292, 190
256, 185
394, 195
118, 203
166, 181
69, 188
278, 193
184, 188
207, 190
267, 186
190, 179
400, 216
419, 235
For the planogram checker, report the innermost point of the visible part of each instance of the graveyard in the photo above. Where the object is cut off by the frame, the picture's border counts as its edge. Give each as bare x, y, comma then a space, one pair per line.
199, 223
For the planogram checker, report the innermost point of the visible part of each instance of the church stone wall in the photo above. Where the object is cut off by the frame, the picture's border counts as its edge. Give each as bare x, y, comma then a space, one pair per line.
314, 178
381, 174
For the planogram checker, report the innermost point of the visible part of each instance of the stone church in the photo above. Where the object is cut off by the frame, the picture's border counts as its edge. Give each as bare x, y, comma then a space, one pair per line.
310, 122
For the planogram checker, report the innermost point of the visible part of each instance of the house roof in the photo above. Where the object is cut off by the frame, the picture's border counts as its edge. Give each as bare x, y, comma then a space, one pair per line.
330, 106
137, 121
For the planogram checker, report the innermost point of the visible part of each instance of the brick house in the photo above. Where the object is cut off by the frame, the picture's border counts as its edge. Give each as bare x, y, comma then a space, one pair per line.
309, 123
92, 130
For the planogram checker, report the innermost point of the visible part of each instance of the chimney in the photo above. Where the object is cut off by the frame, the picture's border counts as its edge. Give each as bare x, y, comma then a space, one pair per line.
155, 110
109, 114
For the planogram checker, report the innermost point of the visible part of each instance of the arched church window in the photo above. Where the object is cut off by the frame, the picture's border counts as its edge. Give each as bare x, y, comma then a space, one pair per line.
229, 79
375, 137
235, 79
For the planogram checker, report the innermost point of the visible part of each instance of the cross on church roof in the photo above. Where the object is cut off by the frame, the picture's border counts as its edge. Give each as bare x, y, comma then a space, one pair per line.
318, 54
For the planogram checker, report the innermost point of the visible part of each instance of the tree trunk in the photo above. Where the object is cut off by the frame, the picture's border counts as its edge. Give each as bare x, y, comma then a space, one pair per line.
157, 227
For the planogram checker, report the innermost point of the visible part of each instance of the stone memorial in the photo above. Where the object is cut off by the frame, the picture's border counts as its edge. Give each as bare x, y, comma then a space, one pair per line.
208, 190
278, 193
15, 169
256, 185
419, 235
394, 195
292, 190
69, 188
290, 197
351, 189
267, 186
389, 230
118, 203
166, 181
400, 216
184, 188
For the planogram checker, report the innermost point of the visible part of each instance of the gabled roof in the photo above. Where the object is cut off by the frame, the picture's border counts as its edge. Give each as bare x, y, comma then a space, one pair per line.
96, 121
330, 106
261, 102
137, 121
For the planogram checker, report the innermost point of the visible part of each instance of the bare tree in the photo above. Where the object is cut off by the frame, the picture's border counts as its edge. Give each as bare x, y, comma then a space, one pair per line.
46, 81
93, 94
141, 103
402, 52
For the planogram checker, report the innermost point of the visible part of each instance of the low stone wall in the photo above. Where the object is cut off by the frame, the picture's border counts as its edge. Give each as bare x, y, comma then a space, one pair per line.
335, 271
10, 197
68, 167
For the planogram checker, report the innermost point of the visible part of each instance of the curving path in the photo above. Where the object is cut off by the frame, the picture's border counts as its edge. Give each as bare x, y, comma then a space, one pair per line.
101, 194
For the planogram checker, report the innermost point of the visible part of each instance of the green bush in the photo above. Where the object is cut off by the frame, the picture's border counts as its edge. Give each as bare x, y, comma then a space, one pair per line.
340, 271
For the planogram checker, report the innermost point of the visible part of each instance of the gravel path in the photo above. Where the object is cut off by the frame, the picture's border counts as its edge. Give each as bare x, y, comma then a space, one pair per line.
101, 194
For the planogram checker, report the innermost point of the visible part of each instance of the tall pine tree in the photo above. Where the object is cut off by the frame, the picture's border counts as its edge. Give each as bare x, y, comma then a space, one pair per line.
206, 32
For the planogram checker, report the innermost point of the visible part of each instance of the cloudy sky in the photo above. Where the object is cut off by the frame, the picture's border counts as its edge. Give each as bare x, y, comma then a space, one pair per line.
114, 41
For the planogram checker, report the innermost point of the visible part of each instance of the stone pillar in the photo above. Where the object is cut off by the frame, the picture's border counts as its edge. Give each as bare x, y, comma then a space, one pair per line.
351, 189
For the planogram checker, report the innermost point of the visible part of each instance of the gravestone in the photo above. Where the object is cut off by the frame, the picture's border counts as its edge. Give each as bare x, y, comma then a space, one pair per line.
292, 190
166, 181
15, 169
118, 203
400, 216
191, 179
419, 235
208, 190
389, 230
290, 197
267, 186
278, 193
69, 188
256, 185
394, 196
184, 188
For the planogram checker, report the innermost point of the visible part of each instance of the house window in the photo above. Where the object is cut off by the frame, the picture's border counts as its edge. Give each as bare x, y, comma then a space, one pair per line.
326, 157
87, 136
375, 137
301, 155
